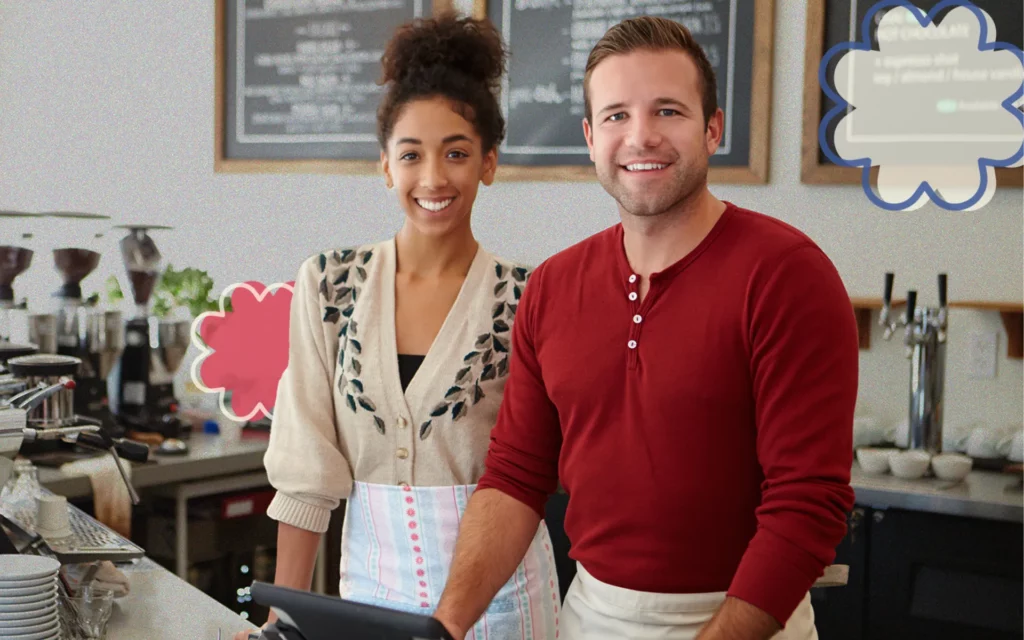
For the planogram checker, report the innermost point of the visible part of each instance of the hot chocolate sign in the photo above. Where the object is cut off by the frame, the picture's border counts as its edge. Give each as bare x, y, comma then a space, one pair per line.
244, 351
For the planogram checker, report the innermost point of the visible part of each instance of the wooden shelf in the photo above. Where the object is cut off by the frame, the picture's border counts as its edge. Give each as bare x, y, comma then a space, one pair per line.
1012, 314
863, 309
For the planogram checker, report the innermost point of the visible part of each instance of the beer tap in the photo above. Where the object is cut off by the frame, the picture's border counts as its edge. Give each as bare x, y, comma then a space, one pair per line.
925, 339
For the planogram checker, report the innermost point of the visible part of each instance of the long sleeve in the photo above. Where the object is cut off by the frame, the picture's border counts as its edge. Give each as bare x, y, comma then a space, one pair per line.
522, 460
304, 461
804, 367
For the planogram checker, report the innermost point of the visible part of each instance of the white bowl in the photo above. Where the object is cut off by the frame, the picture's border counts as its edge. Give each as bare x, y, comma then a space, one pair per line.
951, 466
909, 464
873, 461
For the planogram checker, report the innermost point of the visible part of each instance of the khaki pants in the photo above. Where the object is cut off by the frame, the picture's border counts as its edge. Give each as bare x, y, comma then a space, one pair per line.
594, 610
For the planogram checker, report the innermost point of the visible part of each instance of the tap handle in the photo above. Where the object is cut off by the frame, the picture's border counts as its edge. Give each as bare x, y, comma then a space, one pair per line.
911, 303
942, 290
887, 298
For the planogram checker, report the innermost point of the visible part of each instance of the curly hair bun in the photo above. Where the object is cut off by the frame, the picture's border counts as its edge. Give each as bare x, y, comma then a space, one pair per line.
444, 44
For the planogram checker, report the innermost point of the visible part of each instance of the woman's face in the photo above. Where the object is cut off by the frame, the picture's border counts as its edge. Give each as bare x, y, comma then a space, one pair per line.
435, 162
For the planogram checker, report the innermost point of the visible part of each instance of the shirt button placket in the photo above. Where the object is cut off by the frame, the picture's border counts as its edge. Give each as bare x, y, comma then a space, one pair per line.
634, 329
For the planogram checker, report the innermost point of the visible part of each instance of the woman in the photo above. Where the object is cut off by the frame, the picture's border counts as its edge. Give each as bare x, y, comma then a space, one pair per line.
399, 352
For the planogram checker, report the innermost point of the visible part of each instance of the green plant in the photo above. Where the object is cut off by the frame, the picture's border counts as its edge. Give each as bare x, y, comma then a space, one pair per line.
188, 288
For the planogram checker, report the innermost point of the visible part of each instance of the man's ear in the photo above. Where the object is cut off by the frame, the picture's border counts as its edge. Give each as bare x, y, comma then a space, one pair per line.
588, 133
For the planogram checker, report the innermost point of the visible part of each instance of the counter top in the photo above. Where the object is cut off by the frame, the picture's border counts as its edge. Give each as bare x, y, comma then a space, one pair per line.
161, 605
208, 456
982, 494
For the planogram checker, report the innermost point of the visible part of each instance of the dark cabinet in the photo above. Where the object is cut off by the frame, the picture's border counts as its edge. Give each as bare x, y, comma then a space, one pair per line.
937, 577
923, 575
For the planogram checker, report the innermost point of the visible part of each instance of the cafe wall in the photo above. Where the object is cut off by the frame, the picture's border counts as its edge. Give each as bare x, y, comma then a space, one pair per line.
108, 108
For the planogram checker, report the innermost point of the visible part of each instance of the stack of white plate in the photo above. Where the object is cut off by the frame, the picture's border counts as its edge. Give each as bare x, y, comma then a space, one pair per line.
28, 597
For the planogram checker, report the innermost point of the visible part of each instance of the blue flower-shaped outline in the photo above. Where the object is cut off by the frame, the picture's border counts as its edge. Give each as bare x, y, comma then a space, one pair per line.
865, 163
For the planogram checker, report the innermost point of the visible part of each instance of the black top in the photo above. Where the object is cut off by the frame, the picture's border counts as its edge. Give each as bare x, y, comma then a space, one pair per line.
407, 366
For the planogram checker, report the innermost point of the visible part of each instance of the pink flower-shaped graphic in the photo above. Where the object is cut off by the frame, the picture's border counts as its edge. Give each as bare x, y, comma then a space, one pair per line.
244, 351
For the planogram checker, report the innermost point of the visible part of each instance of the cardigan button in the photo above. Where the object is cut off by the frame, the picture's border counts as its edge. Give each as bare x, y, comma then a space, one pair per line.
403, 454
633, 295
632, 278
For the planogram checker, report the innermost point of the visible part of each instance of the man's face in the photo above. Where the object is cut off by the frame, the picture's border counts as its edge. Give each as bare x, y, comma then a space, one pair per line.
648, 139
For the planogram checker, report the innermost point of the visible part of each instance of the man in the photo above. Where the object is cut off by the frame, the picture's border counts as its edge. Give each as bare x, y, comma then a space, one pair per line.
689, 375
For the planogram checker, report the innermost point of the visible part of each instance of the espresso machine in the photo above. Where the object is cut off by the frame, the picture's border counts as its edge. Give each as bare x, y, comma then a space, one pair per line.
154, 348
42, 415
925, 340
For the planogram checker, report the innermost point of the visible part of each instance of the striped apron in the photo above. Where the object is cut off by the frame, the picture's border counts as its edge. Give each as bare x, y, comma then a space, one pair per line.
397, 544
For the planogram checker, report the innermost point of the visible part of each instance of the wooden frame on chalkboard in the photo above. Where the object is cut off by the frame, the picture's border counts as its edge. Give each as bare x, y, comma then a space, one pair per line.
756, 171
812, 169
221, 164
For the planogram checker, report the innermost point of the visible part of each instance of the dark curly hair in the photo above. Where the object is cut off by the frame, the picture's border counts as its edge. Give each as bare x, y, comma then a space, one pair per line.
461, 59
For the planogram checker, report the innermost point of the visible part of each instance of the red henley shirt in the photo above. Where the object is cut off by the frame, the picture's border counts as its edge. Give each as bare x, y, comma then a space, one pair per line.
704, 435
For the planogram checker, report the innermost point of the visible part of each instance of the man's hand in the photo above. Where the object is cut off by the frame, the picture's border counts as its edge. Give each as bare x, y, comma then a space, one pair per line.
739, 620
495, 533
453, 629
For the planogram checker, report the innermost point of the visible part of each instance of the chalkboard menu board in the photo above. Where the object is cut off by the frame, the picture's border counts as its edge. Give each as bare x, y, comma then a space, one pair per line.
542, 96
833, 22
297, 82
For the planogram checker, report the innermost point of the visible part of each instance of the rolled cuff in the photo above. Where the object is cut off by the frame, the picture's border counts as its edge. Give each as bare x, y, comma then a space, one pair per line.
297, 513
533, 499
774, 576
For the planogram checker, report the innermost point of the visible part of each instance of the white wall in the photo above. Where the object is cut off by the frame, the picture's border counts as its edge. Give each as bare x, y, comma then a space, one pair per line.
108, 107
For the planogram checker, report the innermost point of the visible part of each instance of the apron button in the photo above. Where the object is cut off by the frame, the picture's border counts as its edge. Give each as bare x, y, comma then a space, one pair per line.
402, 423
403, 454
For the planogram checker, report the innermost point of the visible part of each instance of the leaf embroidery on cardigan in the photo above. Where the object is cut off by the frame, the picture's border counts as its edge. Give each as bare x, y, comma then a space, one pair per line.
340, 292
489, 357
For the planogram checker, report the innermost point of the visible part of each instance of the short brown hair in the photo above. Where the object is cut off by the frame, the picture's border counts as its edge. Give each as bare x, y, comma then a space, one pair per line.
653, 34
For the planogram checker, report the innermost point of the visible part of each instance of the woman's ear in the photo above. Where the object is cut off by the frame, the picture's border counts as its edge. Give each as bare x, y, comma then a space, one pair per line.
490, 167
386, 168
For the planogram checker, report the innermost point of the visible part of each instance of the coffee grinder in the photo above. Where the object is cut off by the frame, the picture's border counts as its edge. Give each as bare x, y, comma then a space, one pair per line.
14, 260
84, 331
154, 347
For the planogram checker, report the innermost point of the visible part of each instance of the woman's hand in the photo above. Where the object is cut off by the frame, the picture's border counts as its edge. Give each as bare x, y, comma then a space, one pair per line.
244, 635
